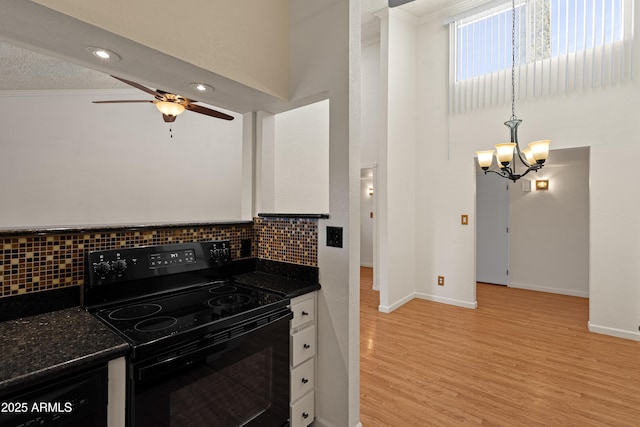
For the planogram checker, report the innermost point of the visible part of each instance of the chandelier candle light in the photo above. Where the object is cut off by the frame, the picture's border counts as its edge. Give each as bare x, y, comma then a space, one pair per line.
532, 158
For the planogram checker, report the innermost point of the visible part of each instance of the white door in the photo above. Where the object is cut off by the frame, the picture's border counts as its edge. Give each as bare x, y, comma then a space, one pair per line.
492, 238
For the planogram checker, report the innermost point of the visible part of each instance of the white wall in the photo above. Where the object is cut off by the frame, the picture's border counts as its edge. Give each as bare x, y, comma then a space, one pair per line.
604, 120
66, 161
325, 60
371, 107
396, 153
302, 159
549, 230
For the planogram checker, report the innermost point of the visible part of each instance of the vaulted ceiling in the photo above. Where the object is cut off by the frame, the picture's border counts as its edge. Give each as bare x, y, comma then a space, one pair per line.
24, 69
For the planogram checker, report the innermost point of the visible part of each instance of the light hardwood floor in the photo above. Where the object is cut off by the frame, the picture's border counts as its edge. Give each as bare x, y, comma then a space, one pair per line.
522, 358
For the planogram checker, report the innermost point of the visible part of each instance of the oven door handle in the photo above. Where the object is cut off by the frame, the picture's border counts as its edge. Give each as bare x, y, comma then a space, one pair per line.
177, 359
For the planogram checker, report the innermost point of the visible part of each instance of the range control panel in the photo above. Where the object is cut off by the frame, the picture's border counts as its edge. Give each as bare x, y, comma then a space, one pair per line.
120, 265
164, 259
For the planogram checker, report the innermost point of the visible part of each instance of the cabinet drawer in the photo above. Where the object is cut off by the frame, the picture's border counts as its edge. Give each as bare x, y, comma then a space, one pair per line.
303, 345
303, 411
303, 312
302, 379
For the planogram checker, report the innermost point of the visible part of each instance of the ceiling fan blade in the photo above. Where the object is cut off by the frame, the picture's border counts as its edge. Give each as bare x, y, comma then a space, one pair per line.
120, 101
138, 86
208, 112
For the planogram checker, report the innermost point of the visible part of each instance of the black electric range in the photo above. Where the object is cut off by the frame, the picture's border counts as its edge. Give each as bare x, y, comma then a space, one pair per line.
205, 350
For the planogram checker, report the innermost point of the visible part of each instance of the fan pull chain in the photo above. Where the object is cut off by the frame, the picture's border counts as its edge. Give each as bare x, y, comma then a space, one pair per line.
171, 130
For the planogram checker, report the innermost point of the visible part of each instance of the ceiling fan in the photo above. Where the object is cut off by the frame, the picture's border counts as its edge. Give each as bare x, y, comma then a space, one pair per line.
169, 104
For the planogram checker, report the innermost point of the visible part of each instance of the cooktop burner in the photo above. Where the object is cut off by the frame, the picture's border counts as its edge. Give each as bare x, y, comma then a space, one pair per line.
195, 309
223, 289
155, 324
133, 312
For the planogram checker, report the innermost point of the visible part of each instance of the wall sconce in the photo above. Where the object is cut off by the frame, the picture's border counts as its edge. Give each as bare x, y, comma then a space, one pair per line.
542, 184
371, 191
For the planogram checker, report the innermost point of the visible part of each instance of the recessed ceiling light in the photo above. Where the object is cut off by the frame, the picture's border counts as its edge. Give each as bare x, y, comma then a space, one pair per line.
102, 53
201, 87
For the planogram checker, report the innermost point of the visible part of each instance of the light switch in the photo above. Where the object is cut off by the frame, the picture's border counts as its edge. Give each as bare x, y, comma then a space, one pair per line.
464, 220
370, 214
334, 236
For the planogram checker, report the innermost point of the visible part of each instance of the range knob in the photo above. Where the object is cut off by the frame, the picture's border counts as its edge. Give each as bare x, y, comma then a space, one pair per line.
102, 268
119, 266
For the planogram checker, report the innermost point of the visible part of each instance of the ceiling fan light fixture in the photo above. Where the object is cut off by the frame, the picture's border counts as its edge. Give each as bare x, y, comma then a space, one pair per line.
201, 87
170, 108
102, 53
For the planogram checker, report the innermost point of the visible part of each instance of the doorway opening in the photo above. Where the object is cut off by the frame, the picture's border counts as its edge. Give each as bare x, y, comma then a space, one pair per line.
545, 231
368, 224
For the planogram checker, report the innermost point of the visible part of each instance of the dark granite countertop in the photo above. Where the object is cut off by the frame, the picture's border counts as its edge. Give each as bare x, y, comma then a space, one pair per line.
289, 286
286, 278
44, 346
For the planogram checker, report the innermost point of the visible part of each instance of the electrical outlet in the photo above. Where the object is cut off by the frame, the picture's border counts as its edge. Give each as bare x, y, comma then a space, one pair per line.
440, 280
245, 248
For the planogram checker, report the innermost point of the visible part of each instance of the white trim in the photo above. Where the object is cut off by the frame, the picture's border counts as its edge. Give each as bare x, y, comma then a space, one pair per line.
569, 292
396, 305
445, 300
614, 332
427, 297
364, 264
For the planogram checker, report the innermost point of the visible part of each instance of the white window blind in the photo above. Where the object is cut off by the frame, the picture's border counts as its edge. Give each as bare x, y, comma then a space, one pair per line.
561, 46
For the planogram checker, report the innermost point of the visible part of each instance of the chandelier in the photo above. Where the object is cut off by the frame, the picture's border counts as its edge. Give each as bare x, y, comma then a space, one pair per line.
533, 157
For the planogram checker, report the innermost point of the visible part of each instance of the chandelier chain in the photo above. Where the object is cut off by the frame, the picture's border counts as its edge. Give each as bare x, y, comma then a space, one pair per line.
513, 59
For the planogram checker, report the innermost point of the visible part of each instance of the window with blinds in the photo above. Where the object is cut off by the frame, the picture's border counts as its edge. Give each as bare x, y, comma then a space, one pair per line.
561, 46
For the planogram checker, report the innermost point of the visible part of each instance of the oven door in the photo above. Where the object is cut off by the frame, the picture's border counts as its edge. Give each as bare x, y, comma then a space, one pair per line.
239, 377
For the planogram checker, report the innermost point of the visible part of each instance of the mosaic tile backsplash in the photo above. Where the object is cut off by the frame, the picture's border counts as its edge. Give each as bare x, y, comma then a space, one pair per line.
292, 240
34, 263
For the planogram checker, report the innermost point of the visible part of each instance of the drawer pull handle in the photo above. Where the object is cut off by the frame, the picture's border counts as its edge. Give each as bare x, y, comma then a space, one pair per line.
306, 346
304, 381
305, 415
304, 313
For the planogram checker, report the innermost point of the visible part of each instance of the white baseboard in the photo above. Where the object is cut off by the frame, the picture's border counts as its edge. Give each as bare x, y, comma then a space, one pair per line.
395, 305
614, 332
364, 264
428, 297
550, 290
444, 300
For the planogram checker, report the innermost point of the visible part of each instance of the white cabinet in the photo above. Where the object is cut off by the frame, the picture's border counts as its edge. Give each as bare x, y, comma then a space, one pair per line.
303, 360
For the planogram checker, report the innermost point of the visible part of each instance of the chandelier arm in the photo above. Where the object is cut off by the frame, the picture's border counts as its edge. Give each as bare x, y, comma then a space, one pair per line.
502, 174
521, 156
531, 168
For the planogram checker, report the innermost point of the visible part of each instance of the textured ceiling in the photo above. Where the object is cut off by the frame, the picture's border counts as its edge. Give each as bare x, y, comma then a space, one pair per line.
22, 69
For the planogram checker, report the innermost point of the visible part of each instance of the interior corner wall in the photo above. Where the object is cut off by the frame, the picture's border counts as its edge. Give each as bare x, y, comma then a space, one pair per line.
602, 119
549, 229
325, 59
265, 181
396, 154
